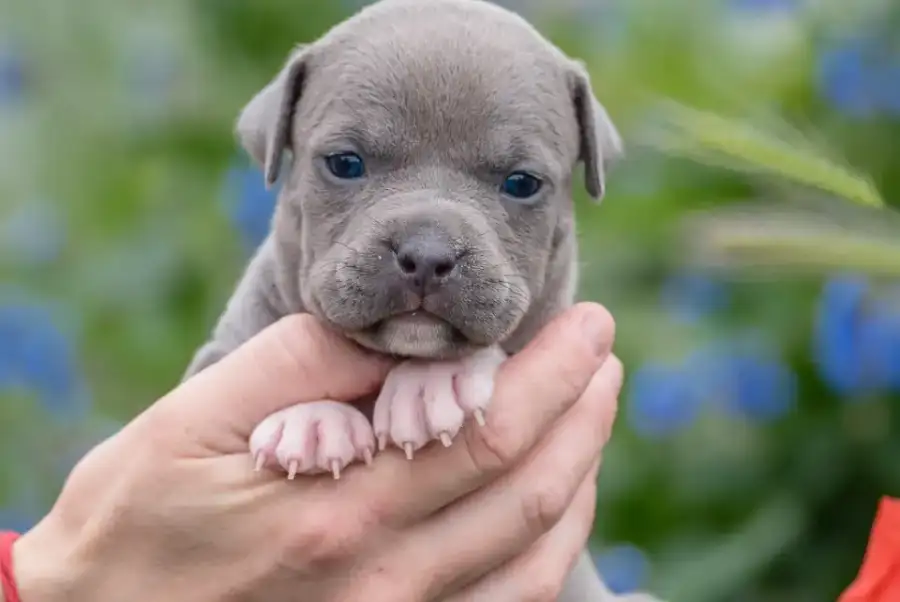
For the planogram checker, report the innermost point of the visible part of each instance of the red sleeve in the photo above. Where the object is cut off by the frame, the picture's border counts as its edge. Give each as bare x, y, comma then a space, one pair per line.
7, 580
879, 577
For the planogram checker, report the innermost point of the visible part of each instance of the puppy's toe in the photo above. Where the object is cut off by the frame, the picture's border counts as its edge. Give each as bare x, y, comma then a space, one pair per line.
312, 438
443, 414
265, 439
475, 381
399, 413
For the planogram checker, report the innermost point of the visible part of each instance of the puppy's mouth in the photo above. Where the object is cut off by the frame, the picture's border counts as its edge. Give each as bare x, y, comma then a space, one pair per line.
418, 318
417, 333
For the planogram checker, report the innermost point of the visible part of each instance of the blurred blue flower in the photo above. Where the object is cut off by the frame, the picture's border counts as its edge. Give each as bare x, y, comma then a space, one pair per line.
764, 387
839, 350
846, 79
879, 340
12, 73
37, 356
624, 568
662, 400
860, 77
745, 380
250, 206
689, 296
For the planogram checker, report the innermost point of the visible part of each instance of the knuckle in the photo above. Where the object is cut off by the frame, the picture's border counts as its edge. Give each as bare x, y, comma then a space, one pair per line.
543, 508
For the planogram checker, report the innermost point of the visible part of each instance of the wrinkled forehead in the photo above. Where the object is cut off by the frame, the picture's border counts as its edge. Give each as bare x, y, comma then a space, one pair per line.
469, 100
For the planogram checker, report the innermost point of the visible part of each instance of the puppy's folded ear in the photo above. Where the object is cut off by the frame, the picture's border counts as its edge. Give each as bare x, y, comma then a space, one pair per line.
265, 124
601, 145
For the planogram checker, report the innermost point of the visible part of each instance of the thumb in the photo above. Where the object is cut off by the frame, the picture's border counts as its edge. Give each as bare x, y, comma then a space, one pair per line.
294, 360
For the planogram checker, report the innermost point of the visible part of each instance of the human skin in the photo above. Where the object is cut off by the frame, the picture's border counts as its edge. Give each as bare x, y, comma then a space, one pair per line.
171, 509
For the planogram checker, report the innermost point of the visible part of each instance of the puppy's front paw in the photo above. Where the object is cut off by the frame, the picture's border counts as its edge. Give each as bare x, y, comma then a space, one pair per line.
426, 400
311, 438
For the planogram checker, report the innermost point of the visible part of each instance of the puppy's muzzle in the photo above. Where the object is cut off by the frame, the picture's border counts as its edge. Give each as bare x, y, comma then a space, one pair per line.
427, 278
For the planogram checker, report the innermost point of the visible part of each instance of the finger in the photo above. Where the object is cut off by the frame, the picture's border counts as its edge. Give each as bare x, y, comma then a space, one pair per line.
519, 508
540, 572
294, 360
533, 389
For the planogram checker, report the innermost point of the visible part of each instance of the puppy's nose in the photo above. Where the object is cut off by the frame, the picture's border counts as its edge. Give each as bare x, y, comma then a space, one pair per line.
425, 262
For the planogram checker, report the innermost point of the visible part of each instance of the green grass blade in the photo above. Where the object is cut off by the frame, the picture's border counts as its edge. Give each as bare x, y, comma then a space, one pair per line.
779, 240
706, 135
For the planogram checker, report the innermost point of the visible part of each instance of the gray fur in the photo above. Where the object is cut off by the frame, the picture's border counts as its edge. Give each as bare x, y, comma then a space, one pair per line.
442, 99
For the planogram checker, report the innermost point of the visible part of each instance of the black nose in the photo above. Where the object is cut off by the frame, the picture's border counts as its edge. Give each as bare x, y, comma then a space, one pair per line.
425, 262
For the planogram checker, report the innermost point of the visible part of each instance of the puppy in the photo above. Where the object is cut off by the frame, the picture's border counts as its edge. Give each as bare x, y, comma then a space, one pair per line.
428, 151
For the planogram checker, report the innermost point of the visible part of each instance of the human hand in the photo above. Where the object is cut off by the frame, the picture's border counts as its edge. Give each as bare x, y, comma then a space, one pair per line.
171, 509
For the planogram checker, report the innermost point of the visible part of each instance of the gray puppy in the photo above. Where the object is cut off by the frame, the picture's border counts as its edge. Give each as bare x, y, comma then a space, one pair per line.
426, 212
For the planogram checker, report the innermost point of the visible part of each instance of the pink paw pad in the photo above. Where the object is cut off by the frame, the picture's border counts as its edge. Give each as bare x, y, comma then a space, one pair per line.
313, 438
422, 401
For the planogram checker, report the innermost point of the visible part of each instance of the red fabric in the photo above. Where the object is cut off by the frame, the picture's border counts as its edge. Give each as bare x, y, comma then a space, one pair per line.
879, 577
7, 580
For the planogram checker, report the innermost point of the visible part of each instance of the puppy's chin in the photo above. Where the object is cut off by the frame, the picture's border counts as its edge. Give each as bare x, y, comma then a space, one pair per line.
415, 334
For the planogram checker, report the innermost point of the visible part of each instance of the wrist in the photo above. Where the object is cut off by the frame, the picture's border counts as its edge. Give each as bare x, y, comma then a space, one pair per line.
46, 568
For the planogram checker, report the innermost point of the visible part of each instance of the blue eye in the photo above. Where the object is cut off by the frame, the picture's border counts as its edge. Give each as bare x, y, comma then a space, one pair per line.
346, 166
521, 185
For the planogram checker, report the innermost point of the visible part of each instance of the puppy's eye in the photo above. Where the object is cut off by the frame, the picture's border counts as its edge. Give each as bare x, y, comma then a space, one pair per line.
346, 166
521, 185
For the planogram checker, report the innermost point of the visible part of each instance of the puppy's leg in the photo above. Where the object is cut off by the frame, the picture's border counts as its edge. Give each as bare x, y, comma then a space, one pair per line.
423, 400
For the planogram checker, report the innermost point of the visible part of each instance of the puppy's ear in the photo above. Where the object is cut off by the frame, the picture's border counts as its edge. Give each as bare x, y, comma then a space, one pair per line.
601, 145
265, 124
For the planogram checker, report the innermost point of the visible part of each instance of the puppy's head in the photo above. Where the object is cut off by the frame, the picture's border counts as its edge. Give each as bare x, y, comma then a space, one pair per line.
428, 194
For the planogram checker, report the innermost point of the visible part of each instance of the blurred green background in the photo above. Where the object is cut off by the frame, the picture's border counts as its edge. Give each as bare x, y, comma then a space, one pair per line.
742, 248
